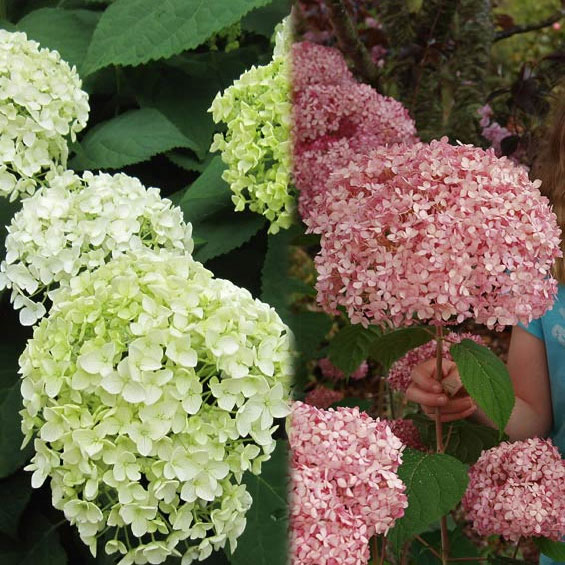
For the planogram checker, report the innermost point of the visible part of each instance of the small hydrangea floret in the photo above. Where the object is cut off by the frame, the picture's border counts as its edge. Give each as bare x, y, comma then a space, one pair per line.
41, 104
79, 223
150, 389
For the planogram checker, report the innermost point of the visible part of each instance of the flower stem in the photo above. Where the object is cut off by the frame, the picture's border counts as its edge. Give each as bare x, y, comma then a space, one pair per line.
516, 548
439, 440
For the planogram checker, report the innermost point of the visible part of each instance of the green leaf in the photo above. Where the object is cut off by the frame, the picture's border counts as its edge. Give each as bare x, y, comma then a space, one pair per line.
207, 195
40, 544
486, 379
278, 287
158, 87
465, 440
11, 457
460, 546
350, 346
395, 344
435, 483
7, 211
264, 541
133, 32
364, 404
501, 560
15, 492
264, 20
224, 232
310, 329
553, 549
188, 162
208, 207
130, 138
67, 31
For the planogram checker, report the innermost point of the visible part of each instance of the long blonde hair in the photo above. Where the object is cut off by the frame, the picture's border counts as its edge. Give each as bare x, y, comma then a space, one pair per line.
550, 168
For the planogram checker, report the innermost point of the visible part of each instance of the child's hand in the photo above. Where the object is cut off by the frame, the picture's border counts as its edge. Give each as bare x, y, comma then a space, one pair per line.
429, 393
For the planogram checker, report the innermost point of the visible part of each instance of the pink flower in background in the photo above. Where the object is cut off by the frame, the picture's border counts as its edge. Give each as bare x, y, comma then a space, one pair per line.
358, 455
399, 375
492, 131
334, 123
317, 64
407, 432
435, 232
331, 372
323, 397
324, 531
335, 118
518, 489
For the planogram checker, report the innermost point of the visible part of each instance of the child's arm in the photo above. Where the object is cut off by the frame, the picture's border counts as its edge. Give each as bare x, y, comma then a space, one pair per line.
527, 365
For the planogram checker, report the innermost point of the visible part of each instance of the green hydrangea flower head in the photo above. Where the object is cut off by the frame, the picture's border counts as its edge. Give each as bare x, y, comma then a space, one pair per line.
256, 146
150, 388
41, 104
81, 222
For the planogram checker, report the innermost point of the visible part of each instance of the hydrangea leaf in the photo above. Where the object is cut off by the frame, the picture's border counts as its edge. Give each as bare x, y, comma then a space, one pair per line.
277, 285
15, 492
222, 235
67, 31
395, 344
133, 32
435, 483
40, 544
486, 379
263, 20
553, 549
264, 541
11, 458
350, 346
207, 195
463, 439
310, 329
132, 137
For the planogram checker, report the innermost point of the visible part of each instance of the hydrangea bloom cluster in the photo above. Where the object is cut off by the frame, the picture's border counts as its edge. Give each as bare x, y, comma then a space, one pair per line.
518, 490
334, 118
344, 483
79, 223
323, 397
399, 376
330, 371
257, 145
150, 388
41, 103
492, 131
407, 432
435, 232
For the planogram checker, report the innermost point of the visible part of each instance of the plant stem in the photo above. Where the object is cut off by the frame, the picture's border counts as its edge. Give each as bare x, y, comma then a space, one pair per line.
350, 42
439, 440
516, 548
3, 10
383, 554
381, 398
428, 546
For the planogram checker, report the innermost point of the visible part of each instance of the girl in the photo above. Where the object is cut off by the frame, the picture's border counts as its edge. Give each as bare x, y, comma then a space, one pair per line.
536, 357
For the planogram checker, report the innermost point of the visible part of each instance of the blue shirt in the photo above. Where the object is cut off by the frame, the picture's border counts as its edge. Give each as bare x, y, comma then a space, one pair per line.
551, 329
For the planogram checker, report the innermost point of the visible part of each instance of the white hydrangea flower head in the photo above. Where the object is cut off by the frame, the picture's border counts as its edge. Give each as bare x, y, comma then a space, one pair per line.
150, 388
41, 104
79, 223
257, 145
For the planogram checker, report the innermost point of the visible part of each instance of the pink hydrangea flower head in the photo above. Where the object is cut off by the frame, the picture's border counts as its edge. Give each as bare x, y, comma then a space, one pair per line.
518, 490
331, 372
358, 454
317, 64
399, 376
323, 397
332, 124
438, 233
407, 432
323, 530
